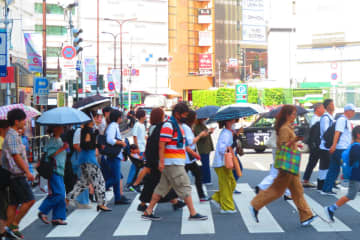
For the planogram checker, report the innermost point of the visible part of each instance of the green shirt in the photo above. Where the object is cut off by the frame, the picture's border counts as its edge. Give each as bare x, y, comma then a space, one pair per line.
51, 147
205, 144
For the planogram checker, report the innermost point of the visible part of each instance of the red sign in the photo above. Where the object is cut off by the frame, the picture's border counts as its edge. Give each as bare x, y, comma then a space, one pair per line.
10, 76
205, 61
68, 52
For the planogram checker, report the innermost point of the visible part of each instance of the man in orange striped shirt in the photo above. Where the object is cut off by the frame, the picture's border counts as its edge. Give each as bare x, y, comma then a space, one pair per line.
172, 164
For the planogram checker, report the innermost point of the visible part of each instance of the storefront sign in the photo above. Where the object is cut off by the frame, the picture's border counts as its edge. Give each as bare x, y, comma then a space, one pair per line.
204, 16
90, 71
10, 76
254, 33
205, 38
205, 61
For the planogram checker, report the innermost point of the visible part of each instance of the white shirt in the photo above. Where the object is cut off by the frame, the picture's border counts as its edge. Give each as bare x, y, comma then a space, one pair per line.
343, 125
113, 134
139, 132
326, 121
76, 137
189, 135
225, 140
315, 118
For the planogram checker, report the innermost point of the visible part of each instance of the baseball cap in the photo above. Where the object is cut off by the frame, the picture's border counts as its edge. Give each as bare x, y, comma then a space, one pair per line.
349, 107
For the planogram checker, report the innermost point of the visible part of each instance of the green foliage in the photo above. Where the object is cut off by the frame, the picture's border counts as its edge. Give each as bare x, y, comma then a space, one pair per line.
302, 92
273, 96
203, 98
253, 95
225, 96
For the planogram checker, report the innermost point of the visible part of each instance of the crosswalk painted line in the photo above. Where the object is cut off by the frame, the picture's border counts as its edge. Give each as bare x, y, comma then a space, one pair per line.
31, 216
78, 221
319, 224
132, 224
197, 227
355, 204
267, 223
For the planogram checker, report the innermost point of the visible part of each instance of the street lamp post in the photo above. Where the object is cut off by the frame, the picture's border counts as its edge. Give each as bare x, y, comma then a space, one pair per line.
114, 36
121, 22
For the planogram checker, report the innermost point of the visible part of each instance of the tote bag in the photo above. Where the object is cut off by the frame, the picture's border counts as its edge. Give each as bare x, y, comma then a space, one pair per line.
288, 160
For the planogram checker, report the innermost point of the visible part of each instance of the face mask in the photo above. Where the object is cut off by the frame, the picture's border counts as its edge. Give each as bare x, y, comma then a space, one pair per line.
235, 126
183, 120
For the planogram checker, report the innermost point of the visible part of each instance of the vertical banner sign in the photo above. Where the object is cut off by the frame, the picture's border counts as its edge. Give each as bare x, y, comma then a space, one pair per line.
205, 63
241, 93
3, 52
253, 21
90, 71
33, 58
41, 91
116, 79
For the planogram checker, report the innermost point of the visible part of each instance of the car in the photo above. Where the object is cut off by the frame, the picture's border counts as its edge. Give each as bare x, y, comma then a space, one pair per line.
355, 120
256, 135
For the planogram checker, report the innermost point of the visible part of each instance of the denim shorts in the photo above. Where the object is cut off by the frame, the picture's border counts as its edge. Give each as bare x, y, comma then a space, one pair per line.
354, 187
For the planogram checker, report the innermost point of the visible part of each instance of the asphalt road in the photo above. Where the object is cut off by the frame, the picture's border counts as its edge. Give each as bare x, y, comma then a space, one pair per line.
279, 220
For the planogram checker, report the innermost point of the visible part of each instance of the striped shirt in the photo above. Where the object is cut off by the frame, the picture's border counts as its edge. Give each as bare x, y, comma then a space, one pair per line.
173, 154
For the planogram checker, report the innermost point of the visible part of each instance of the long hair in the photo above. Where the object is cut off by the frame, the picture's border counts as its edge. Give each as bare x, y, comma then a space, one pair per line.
191, 118
282, 116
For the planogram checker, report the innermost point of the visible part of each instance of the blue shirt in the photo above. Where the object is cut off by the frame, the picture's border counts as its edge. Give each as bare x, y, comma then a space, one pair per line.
343, 126
189, 135
355, 157
225, 140
325, 122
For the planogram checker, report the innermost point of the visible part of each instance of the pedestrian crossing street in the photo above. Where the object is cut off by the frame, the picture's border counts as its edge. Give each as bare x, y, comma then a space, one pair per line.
131, 224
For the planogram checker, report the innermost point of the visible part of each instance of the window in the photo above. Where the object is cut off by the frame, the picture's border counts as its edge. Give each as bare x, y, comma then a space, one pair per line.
52, 30
51, 9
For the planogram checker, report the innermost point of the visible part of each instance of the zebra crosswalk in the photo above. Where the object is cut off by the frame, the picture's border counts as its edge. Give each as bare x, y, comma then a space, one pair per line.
129, 222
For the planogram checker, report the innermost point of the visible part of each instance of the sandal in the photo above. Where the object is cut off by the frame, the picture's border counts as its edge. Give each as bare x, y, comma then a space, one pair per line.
15, 229
43, 218
58, 222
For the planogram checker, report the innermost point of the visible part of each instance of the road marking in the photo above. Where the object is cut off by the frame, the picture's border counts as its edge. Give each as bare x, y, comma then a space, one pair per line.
260, 166
320, 225
197, 227
78, 221
355, 204
267, 223
31, 216
132, 224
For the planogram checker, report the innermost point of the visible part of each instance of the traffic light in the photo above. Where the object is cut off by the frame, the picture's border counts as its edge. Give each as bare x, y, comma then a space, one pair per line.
77, 40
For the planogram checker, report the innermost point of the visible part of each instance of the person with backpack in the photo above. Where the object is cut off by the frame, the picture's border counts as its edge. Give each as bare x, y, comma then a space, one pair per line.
341, 141
150, 173
171, 164
326, 121
354, 183
314, 144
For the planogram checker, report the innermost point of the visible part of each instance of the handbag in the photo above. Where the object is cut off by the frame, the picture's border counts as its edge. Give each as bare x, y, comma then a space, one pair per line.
111, 151
46, 166
4, 178
288, 160
229, 160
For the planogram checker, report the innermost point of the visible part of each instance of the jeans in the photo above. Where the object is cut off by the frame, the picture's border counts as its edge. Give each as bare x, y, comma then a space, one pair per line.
55, 201
133, 173
205, 168
83, 198
313, 160
334, 170
114, 166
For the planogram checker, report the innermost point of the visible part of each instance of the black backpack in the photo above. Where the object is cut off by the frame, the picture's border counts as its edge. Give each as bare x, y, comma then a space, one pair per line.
152, 147
330, 133
314, 138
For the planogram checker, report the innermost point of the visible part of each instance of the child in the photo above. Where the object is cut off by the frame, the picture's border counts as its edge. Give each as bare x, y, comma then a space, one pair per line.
354, 184
138, 161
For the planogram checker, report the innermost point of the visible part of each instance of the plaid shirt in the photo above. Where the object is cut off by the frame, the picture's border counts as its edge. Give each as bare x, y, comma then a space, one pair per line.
13, 145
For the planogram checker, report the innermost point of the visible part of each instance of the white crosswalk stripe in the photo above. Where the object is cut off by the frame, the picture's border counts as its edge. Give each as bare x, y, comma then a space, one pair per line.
132, 224
267, 223
78, 221
198, 227
355, 204
31, 216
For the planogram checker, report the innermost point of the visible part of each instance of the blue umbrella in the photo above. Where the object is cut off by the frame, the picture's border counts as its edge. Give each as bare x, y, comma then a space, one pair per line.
63, 116
206, 112
273, 113
233, 112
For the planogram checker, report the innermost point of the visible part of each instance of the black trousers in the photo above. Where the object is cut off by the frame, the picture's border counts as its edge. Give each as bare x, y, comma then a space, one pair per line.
150, 182
196, 172
313, 160
324, 159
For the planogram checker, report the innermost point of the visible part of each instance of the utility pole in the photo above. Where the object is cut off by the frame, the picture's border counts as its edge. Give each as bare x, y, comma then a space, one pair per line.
44, 37
8, 91
98, 47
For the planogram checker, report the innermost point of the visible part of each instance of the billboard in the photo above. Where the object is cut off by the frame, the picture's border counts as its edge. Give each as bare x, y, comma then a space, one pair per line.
205, 38
204, 15
90, 71
205, 63
254, 33
253, 21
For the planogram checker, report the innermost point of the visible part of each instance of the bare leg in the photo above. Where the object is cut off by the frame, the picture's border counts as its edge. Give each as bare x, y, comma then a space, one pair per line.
24, 208
154, 200
190, 205
141, 175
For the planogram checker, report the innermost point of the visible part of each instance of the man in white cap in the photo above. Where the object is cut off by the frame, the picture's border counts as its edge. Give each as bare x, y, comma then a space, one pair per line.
342, 140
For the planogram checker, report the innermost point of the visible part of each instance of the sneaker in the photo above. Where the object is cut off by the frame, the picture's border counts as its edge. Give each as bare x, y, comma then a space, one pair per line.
287, 198
204, 199
197, 217
8, 234
151, 217
123, 201
142, 208
308, 185
227, 211
329, 214
308, 222
254, 213
257, 189
83, 206
331, 193
237, 192
208, 184
178, 205
131, 188
216, 204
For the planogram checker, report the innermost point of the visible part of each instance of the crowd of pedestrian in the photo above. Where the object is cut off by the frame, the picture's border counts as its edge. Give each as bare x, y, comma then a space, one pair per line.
88, 162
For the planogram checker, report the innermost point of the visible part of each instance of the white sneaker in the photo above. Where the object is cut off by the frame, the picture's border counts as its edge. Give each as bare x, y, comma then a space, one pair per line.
227, 211
216, 204
83, 206
209, 184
